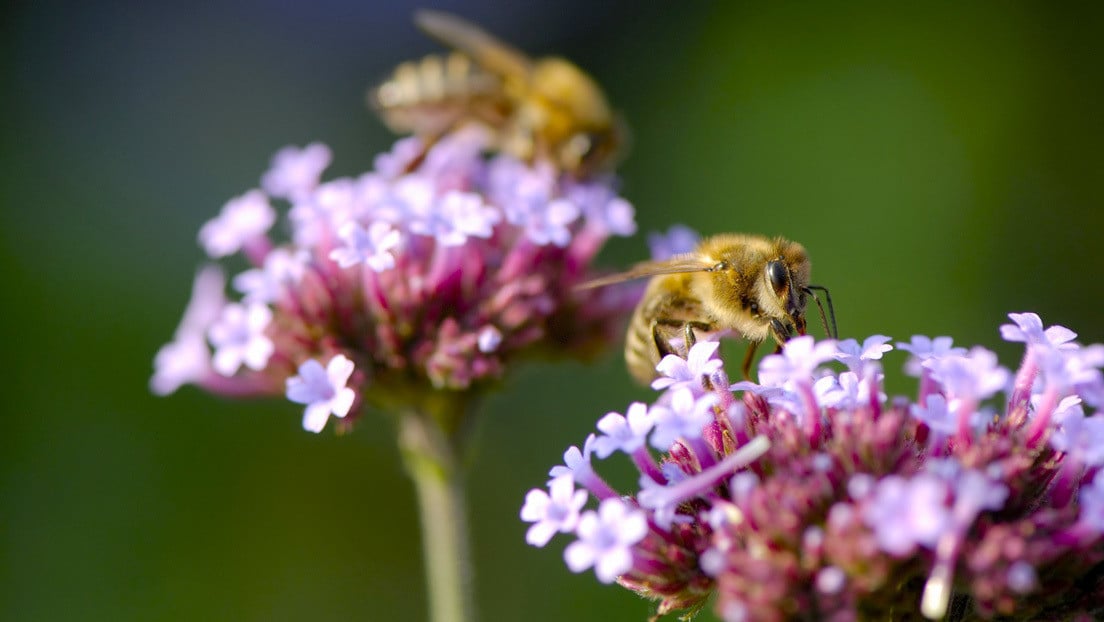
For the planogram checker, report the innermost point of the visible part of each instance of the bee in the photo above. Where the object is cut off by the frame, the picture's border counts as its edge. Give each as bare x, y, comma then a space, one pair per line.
546, 108
749, 285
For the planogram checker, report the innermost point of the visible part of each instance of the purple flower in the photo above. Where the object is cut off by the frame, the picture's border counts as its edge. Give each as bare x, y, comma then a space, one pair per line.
886, 502
1092, 505
625, 433
554, 511
1028, 328
678, 239
323, 390
606, 538
1075, 369
238, 336
295, 172
853, 355
458, 216
603, 210
905, 513
799, 359
373, 246
1022, 578
700, 363
936, 415
489, 339
684, 417
1081, 437
847, 391
550, 226
187, 359
265, 285
924, 348
975, 376
575, 461
435, 273
242, 220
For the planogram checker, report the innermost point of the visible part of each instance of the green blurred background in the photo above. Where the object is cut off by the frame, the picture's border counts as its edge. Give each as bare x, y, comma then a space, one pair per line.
942, 164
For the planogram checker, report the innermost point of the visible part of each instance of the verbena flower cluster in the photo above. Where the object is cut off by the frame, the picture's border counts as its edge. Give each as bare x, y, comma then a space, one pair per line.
811, 495
400, 288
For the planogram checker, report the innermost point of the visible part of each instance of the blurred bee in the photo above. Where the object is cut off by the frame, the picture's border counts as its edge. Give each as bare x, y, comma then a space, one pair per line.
545, 108
749, 285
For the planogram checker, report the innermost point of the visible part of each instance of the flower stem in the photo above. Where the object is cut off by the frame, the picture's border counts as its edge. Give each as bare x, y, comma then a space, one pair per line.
433, 464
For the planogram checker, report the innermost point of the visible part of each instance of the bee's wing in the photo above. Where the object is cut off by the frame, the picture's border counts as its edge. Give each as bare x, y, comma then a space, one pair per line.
678, 264
466, 37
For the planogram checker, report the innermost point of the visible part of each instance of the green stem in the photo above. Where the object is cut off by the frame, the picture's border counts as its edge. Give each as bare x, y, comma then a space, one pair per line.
433, 464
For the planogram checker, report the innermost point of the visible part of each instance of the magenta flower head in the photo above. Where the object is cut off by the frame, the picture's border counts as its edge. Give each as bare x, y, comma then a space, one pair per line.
814, 496
428, 278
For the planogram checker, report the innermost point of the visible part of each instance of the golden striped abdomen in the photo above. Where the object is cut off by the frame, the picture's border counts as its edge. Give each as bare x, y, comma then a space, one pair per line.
665, 309
435, 94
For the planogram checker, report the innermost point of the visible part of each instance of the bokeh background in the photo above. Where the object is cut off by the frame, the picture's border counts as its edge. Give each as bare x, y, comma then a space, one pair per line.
942, 163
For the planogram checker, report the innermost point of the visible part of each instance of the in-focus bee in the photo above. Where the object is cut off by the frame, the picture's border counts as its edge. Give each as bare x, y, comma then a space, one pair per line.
545, 108
748, 285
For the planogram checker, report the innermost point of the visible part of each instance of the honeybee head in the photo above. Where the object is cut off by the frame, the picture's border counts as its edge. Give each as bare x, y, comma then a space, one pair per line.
790, 299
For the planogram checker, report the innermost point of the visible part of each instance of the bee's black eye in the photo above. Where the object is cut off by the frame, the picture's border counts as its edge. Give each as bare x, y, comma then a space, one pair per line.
779, 277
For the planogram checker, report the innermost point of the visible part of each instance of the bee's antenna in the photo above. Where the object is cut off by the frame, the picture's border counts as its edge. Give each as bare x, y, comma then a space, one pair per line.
834, 333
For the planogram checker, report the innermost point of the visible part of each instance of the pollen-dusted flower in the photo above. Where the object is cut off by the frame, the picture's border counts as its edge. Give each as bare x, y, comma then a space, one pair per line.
981, 499
431, 275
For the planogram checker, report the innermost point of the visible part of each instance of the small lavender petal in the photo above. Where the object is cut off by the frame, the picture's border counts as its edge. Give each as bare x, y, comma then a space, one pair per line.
923, 348
576, 461
282, 268
373, 246
830, 580
551, 225
186, 359
489, 339
700, 362
625, 433
323, 390
1082, 438
241, 219
295, 172
852, 354
1091, 499
975, 376
685, 417
456, 217
606, 538
1021, 577
557, 511
1028, 328
239, 338
936, 415
907, 512
679, 239
799, 359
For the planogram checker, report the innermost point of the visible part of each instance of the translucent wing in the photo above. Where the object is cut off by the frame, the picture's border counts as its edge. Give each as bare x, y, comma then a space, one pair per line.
678, 264
466, 37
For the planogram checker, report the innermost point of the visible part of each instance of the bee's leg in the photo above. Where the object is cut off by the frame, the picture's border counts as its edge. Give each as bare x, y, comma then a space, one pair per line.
749, 356
691, 337
663, 347
688, 335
